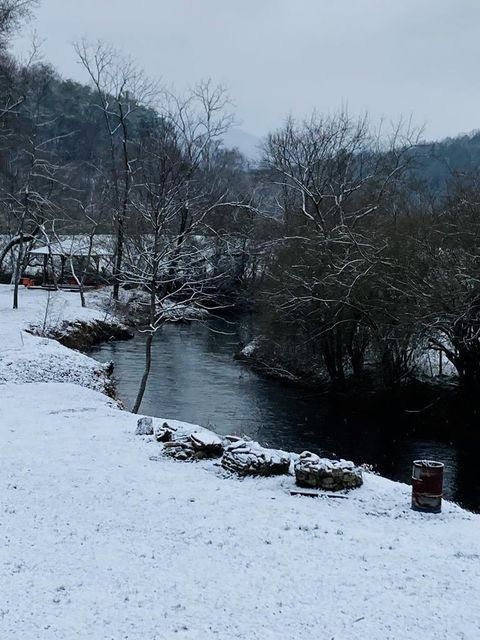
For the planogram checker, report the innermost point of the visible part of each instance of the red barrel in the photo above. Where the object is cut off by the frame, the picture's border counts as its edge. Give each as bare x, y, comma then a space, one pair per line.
427, 486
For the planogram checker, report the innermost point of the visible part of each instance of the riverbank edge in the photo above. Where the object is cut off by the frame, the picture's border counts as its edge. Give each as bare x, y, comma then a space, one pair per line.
48, 339
431, 404
81, 335
84, 336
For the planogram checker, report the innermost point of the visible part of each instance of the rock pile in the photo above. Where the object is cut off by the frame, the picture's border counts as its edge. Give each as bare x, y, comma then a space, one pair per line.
321, 473
249, 458
198, 445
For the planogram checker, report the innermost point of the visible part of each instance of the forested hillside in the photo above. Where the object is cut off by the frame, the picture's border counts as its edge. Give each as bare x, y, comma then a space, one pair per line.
438, 161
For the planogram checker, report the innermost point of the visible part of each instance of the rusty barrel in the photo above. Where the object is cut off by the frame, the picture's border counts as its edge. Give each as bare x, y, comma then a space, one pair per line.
427, 486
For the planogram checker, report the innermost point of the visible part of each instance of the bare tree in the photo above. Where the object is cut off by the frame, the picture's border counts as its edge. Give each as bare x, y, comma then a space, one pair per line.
441, 273
333, 176
174, 196
121, 87
12, 14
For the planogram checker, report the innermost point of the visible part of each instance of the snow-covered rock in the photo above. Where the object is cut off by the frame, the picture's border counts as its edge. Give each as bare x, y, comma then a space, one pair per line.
181, 448
164, 432
207, 442
250, 349
196, 445
249, 458
321, 473
144, 427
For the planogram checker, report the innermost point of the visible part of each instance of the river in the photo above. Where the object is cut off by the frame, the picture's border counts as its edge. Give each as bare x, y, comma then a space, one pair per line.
194, 378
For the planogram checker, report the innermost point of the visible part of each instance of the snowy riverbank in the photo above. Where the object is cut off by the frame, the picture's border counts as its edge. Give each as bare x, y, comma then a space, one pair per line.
104, 537
26, 352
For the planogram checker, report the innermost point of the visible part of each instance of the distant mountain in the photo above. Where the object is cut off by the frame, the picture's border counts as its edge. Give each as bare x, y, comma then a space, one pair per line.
246, 143
438, 161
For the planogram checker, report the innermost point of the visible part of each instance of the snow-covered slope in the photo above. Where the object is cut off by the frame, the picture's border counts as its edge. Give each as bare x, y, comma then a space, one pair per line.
99, 541
30, 358
104, 537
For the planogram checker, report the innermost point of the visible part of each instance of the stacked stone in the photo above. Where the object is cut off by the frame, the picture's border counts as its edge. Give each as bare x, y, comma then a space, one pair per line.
245, 457
196, 446
180, 448
321, 473
206, 444
249, 458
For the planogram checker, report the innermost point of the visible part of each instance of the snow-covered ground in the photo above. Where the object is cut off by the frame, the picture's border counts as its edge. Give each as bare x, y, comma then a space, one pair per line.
34, 358
104, 537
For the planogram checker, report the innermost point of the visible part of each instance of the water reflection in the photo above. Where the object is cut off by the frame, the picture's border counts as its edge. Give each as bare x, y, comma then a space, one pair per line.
194, 378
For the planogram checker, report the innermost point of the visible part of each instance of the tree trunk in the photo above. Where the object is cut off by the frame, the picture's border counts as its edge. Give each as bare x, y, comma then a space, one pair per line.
146, 372
13, 243
118, 258
79, 282
339, 354
17, 273
152, 314
63, 260
45, 270
125, 201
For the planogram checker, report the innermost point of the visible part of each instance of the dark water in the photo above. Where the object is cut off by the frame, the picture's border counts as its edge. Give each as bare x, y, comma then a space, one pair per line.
194, 378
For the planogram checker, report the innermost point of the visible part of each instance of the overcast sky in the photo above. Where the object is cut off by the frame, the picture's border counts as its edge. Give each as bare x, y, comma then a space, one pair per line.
391, 58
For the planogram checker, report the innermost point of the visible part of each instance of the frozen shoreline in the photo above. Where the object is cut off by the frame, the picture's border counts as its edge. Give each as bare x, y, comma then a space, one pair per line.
100, 541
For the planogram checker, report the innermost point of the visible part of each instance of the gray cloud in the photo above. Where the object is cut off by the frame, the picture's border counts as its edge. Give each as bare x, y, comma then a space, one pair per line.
415, 57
